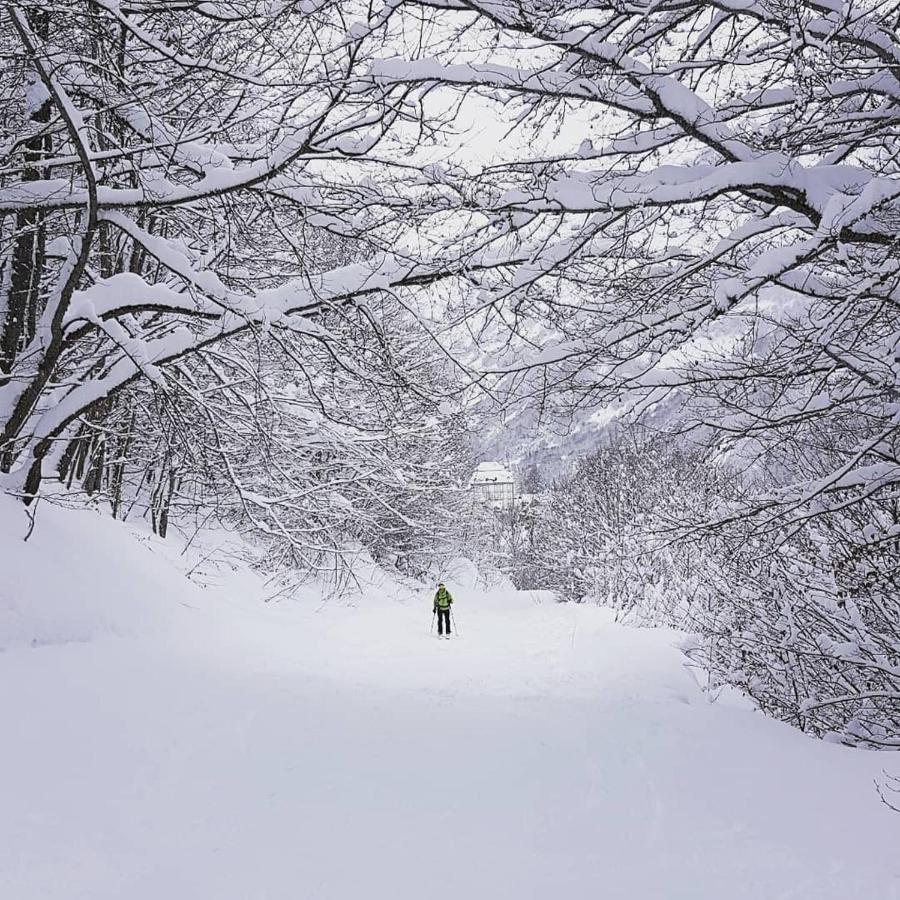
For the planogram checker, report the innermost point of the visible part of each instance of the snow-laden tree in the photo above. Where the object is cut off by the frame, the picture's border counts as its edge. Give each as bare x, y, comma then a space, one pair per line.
310, 460
162, 166
603, 532
715, 188
805, 622
808, 624
689, 210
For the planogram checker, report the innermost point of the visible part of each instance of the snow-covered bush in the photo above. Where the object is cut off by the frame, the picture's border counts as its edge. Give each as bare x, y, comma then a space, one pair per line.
804, 618
308, 458
607, 531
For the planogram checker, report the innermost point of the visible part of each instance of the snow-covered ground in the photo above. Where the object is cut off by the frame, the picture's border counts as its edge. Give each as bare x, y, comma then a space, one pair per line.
163, 740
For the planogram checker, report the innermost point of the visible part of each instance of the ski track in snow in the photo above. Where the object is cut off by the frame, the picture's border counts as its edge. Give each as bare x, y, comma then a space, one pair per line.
176, 743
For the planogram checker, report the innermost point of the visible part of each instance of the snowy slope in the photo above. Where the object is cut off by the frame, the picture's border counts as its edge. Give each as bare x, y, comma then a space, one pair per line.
165, 741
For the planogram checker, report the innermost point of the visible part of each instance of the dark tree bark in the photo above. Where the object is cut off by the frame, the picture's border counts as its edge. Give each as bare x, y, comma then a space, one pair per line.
20, 319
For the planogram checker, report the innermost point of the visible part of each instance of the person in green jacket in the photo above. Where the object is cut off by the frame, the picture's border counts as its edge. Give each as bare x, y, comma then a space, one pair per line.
442, 603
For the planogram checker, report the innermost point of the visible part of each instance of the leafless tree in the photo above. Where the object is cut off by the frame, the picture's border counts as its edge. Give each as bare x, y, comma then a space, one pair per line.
161, 169
711, 195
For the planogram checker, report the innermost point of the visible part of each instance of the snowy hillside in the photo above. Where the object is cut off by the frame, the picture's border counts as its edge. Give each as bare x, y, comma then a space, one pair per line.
165, 740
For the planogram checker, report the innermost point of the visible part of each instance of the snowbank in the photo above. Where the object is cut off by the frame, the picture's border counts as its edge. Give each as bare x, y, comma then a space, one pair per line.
234, 749
79, 576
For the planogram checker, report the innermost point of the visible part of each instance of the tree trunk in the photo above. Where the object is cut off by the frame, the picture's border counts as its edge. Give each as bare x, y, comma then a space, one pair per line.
23, 299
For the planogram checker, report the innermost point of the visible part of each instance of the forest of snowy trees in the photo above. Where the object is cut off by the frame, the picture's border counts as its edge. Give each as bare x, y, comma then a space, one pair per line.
279, 263
803, 620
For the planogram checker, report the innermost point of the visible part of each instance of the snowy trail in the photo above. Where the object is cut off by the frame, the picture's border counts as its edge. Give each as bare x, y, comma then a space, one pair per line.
341, 754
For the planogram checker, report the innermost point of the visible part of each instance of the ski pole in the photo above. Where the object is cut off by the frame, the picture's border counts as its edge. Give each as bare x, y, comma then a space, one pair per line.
433, 614
455, 626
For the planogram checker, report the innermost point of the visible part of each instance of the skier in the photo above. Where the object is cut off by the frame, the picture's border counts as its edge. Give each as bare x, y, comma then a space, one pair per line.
442, 602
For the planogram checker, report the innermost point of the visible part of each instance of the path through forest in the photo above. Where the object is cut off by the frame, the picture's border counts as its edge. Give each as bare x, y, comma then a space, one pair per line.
248, 752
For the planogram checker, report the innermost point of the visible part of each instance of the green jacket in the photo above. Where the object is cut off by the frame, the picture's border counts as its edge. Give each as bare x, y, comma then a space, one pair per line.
442, 599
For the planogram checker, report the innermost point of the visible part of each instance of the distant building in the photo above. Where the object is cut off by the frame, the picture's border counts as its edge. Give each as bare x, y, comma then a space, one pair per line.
493, 483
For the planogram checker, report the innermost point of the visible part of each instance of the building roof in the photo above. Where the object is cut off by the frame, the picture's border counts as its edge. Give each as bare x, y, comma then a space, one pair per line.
491, 473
